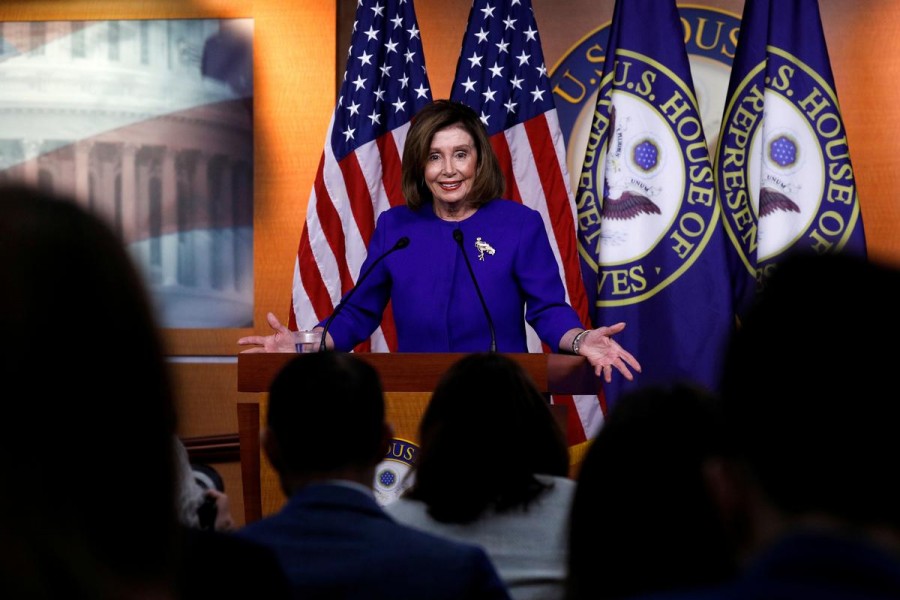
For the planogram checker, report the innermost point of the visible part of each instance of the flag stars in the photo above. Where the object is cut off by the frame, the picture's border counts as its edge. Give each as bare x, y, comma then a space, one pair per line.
530, 33
510, 106
538, 94
485, 118
381, 87
542, 70
516, 82
502, 47
475, 60
482, 35
469, 84
523, 58
488, 94
496, 70
509, 23
488, 11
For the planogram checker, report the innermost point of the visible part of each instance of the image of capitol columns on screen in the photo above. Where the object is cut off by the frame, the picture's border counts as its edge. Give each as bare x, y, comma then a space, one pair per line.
148, 123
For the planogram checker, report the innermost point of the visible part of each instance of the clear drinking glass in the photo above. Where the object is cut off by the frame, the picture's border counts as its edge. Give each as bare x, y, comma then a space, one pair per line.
308, 341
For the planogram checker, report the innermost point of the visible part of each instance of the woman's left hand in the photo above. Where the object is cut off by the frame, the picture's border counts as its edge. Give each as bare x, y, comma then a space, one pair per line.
604, 353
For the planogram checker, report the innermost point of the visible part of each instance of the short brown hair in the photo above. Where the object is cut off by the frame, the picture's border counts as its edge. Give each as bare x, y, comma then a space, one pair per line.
440, 114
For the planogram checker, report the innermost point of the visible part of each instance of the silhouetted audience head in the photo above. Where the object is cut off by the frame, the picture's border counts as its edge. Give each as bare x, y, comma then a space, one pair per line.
86, 455
90, 507
643, 520
316, 400
804, 481
808, 404
485, 433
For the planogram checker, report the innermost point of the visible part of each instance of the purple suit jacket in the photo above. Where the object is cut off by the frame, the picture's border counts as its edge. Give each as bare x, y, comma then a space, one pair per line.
436, 305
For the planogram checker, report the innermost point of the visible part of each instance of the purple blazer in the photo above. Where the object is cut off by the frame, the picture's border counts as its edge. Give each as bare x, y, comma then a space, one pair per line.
436, 306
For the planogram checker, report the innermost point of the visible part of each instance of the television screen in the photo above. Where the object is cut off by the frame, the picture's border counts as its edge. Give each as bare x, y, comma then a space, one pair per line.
149, 123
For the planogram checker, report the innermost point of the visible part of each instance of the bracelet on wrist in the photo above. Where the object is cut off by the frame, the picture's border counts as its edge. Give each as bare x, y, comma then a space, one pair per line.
576, 342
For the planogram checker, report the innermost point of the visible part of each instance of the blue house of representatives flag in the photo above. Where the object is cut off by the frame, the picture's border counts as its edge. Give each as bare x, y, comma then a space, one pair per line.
783, 170
652, 245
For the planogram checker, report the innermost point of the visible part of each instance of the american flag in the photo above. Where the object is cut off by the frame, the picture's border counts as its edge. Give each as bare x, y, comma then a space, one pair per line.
384, 85
502, 75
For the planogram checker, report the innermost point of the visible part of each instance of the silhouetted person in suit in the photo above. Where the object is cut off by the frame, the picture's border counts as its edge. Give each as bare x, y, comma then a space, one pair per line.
810, 420
88, 507
325, 434
643, 519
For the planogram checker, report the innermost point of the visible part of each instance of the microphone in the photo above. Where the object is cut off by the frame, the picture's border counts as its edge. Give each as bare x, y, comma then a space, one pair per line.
401, 243
458, 236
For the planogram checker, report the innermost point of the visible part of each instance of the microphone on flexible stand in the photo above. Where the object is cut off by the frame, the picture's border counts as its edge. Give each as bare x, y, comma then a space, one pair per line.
458, 236
401, 243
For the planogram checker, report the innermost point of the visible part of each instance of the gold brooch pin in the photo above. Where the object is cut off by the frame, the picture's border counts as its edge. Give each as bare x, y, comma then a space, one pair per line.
483, 247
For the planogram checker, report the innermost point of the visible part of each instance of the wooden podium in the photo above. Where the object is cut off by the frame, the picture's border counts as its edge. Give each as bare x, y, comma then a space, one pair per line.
407, 379
419, 372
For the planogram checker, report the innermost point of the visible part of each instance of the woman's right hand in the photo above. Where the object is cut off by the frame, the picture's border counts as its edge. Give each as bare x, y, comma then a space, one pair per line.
280, 341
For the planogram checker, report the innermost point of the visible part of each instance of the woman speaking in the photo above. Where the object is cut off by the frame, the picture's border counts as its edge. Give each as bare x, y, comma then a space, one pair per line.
459, 264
